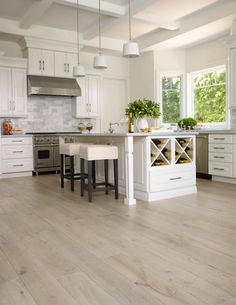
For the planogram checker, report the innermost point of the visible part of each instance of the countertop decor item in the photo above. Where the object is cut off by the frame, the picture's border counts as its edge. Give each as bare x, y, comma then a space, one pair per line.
187, 123
143, 109
78, 70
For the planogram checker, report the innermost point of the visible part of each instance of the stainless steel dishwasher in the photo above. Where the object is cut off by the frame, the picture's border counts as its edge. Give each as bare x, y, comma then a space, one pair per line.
202, 156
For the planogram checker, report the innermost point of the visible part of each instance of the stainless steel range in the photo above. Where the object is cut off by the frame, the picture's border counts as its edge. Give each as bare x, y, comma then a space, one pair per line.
46, 153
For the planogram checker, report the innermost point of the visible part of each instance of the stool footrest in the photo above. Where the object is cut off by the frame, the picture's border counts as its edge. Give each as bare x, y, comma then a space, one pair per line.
107, 186
76, 176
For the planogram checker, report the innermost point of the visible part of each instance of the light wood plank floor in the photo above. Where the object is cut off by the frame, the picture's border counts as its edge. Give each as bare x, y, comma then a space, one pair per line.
57, 249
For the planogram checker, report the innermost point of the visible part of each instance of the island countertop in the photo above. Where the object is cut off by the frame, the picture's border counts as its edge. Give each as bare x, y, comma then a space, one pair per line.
136, 134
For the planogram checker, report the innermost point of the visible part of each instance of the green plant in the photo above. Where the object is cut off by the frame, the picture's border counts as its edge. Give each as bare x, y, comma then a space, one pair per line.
187, 122
143, 108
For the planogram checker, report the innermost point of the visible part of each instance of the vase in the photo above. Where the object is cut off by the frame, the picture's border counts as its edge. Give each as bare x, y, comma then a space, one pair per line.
142, 123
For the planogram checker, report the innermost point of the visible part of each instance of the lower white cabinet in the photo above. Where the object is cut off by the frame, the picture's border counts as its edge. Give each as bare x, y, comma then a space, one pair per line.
17, 156
222, 155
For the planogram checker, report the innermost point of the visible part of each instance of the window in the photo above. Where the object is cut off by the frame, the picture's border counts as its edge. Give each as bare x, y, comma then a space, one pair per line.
171, 87
209, 95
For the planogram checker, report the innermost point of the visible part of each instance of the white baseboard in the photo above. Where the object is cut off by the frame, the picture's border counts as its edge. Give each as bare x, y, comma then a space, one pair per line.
224, 179
15, 175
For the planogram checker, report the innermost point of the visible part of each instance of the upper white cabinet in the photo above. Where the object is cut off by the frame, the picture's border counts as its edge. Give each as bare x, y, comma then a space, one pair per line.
64, 63
88, 104
41, 62
13, 97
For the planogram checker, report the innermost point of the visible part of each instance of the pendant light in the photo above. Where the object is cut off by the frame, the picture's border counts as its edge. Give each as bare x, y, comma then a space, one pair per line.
99, 60
78, 70
130, 48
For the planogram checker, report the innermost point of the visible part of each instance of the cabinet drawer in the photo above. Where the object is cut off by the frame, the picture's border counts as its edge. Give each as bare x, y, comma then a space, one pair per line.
171, 180
220, 169
223, 148
220, 138
16, 151
220, 157
16, 166
17, 141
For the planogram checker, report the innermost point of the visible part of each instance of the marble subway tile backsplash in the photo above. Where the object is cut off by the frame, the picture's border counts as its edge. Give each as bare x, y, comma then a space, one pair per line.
49, 114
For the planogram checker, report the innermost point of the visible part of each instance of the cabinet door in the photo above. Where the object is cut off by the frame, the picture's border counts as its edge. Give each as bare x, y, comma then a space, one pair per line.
94, 95
35, 62
71, 60
232, 76
60, 64
82, 101
47, 63
19, 92
5, 92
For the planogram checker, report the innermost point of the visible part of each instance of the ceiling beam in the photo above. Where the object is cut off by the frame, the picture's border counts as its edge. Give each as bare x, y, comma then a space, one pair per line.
211, 13
107, 8
136, 7
34, 12
159, 21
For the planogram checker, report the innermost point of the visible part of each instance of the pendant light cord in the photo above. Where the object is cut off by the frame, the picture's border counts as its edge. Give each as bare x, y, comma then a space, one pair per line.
130, 36
78, 47
99, 26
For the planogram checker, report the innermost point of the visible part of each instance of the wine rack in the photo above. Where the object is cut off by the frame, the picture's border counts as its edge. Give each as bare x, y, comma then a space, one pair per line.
183, 150
160, 152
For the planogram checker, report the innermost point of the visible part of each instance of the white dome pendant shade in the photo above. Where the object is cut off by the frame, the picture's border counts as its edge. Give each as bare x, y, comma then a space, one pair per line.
78, 70
99, 61
130, 48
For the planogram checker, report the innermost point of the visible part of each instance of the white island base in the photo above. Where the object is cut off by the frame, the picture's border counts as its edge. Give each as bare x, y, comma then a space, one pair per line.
151, 167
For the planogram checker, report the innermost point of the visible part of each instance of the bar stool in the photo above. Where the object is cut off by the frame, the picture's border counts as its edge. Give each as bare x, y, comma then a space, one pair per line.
94, 153
71, 150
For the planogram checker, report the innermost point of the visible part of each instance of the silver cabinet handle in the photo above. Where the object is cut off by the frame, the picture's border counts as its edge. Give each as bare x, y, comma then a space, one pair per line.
17, 141
222, 148
9, 105
219, 139
43, 65
219, 169
13, 105
40, 65
18, 165
177, 178
68, 68
17, 151
64, 67
216, 157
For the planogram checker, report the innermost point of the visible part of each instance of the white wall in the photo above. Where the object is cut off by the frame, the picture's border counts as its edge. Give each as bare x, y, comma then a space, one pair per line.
206, 55
142, 77
10, 48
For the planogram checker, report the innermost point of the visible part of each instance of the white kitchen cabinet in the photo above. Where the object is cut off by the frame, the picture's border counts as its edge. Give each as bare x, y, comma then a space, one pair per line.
17, 156
13, 98
88, 104
41, 62
64, 63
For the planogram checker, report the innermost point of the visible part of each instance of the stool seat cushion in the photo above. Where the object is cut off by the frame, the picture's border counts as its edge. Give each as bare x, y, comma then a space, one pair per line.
72, 149
99, 152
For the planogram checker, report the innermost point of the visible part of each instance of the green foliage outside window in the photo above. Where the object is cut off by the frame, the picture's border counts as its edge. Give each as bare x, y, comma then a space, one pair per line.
171, 96
210, 97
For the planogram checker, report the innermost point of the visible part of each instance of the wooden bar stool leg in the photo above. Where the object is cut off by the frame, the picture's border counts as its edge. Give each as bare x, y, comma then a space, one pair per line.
72, 173
82, 177
106, 175
62, 171
115, 162
90, 184
94, 174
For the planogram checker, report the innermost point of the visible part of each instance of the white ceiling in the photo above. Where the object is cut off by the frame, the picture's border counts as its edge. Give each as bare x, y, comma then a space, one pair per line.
155, 23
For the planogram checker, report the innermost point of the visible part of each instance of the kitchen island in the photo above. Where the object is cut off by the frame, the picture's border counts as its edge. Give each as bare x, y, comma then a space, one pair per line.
152, 166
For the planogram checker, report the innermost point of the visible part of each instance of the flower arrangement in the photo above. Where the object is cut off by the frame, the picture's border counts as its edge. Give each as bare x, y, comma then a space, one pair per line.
143, 108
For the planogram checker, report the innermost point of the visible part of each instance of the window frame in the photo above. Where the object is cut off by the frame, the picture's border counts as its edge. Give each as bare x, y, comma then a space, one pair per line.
190, 96
180, 74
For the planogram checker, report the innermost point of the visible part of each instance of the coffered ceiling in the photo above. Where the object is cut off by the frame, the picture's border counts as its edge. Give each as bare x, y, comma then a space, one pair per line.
156, 24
